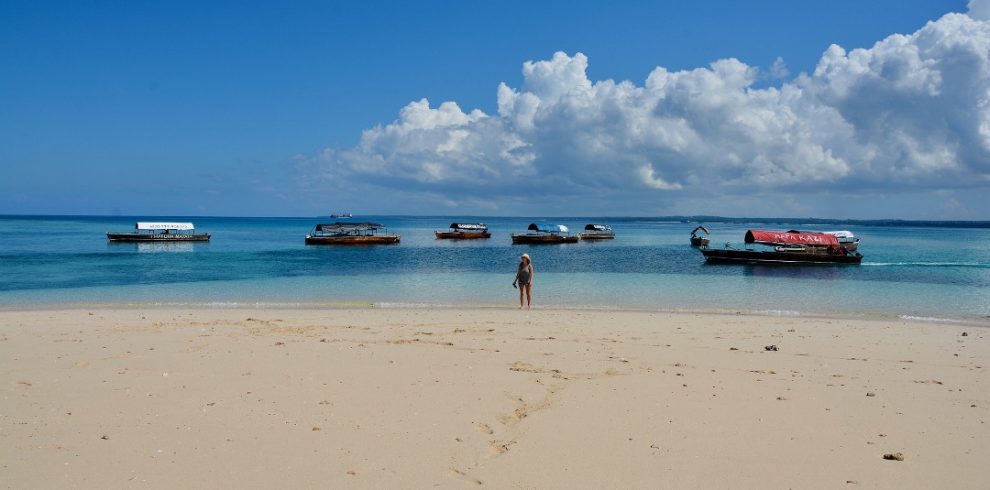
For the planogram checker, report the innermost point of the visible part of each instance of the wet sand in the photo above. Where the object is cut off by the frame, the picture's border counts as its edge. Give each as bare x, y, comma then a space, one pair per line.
130, 397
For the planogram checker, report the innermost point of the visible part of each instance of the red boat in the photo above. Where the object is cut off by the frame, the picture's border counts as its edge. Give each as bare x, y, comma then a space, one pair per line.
787, 247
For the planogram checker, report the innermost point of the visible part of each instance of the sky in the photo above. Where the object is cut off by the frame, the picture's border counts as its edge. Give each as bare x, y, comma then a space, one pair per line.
839, 109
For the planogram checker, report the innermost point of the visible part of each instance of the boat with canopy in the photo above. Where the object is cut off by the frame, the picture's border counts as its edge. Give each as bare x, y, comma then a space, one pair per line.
464, 231
785, 247
699, 240
846, 238
597, 232
155, 231
543, 233
350, 234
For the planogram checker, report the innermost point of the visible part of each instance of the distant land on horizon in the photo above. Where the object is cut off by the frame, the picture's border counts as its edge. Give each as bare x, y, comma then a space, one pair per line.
701, 219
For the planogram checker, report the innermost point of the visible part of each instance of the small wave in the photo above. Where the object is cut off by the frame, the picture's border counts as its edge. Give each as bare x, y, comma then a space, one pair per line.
914, 318
404, 305
777, 312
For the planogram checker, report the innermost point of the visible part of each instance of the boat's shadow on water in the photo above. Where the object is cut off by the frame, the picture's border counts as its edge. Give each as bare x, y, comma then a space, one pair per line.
803, 271
156, 247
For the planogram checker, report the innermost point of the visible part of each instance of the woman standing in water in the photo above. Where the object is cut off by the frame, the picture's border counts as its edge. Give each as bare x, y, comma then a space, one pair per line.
524, 277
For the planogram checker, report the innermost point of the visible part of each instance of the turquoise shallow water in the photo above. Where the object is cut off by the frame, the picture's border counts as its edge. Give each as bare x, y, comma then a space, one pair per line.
907, 271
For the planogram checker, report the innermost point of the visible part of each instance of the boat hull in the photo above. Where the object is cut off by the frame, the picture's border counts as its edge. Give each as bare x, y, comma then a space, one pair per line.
719, 255
352, 240
597, 236
544, 239
157, 237
461, 235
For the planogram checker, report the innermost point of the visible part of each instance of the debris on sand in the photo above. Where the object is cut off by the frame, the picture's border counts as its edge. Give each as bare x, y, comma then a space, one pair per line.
893, 457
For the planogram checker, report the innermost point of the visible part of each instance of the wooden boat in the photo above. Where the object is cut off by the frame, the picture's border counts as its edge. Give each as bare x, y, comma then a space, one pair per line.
148, 231
786, 247
597, 232
350, 234
464, 231
539, 234
698, 240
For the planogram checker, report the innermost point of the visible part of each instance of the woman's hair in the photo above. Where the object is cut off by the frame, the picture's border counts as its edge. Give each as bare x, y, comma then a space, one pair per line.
523, 262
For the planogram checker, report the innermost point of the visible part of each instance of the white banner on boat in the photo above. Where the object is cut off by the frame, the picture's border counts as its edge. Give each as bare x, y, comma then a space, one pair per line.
164, 226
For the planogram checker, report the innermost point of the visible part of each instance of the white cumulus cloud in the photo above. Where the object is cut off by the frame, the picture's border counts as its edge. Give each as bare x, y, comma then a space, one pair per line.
910, 112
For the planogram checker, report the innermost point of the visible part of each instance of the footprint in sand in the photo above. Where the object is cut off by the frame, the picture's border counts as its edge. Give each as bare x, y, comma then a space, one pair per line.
498, 447
464, 476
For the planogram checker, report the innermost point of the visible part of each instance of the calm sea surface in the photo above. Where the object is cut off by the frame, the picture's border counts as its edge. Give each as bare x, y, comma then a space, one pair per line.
907, 271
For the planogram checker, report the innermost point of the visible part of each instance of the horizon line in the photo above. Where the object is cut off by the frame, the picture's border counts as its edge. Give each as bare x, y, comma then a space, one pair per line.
688, 218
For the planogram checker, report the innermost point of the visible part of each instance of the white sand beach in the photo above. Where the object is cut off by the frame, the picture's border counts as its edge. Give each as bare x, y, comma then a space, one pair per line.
134, 397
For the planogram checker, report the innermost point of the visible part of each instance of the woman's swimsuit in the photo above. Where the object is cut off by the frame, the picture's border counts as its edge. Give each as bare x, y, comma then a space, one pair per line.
524, 275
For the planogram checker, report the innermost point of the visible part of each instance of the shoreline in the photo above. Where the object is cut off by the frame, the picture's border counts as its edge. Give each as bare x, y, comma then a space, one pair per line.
974, 321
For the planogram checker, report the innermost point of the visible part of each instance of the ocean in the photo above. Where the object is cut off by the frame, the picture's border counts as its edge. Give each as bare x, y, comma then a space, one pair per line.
907, 271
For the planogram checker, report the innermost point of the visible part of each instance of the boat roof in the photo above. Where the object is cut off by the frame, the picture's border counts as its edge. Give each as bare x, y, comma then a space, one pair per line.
159, 225
790, 237
468, 226
547, 228
348, 227
594, 227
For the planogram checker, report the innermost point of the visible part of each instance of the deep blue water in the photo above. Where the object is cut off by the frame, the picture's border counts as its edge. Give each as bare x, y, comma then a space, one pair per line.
919, 271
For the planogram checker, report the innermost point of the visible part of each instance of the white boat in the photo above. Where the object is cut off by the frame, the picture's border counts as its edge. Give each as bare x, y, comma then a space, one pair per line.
151, 231
846, 239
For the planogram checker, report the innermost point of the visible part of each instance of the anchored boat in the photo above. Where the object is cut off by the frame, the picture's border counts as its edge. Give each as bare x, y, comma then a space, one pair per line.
350, 234
545, 234
699, 240
148, 231
464, 231
597, 232
786, 247
846, 238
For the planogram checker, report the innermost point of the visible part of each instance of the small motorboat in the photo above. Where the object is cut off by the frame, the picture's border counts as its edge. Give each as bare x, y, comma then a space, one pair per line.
350, 234
147, 231
699, 240
597, 232
846, 238
540, 234
464, 231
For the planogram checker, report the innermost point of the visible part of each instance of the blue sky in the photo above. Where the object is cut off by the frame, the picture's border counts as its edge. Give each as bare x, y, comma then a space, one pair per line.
259, 108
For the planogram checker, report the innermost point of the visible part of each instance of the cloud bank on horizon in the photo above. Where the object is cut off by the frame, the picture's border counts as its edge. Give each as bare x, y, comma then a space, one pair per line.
912, 113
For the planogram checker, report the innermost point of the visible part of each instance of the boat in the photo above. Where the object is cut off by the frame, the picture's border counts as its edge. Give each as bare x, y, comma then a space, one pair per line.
698, 240
350, 234
846, 238
545, 234
597, 232
341, 215
785, 247
464, 231
153, 231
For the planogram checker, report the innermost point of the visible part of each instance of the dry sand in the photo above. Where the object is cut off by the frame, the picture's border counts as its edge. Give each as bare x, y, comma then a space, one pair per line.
414, 398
